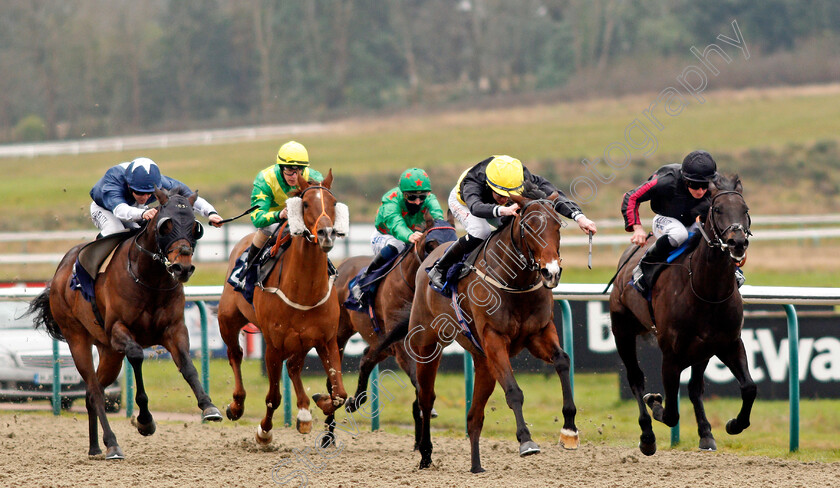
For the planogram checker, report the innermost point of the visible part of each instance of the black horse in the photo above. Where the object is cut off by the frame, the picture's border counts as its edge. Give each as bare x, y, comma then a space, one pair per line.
697, 313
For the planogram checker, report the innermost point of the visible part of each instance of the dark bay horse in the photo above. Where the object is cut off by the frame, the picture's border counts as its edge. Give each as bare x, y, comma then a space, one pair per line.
296, 310
393, 297
140, 295
697, 314
507, 304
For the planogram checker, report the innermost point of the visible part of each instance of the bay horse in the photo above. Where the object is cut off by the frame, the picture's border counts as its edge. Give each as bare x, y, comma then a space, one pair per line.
140, 298
393, 296
295, 310
506, 303
697, 313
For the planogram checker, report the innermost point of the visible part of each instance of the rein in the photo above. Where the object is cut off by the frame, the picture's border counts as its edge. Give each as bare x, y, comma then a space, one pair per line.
159, 257
530, 262
309, 235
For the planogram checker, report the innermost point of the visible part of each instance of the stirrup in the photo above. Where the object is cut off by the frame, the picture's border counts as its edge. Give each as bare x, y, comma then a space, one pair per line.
436, 278
356, 292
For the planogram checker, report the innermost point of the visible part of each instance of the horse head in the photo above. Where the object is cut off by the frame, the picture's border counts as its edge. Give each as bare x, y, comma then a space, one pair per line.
176, 231
317, 214
539, 233
728, 219
435, 233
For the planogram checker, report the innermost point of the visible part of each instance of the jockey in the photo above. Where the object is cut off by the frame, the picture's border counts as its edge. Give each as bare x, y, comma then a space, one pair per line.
400, 220
679, 196
271, 190
482, 196
122, 196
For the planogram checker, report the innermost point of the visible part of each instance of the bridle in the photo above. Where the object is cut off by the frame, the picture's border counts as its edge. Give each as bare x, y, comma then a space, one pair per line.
307, 232
160, 254
718, 241
531, 263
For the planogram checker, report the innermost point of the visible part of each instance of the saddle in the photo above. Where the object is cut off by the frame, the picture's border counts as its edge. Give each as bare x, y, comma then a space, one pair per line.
93, 258
371, 283
656, 268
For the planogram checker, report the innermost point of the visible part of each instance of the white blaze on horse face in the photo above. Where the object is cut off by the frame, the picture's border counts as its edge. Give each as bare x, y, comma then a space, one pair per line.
553, 267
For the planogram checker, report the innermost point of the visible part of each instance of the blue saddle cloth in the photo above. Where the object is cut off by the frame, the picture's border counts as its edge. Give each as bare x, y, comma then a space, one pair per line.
370, 284
81, 280
247, 290
687, 245
453, 276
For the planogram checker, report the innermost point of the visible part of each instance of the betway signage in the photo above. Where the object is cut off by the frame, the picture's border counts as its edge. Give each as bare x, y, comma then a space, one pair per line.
765, 341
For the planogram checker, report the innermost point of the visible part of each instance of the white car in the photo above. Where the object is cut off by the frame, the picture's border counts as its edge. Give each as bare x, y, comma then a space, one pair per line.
26, 363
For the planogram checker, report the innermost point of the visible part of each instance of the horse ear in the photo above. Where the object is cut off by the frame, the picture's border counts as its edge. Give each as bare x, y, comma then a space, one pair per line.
302, 185
519, 199
328, 180
193, 198
427, 217
161, 195
738, 186
450, 218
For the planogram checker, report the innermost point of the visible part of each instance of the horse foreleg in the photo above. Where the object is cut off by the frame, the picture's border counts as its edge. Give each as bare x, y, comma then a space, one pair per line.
229, 328
303, 421
670, 413
498, 360
177, 342
409, 365
331, 361
273, 367
122, 340
484, 386
735, 358
625, 343
426, 374
366, 365
696, 387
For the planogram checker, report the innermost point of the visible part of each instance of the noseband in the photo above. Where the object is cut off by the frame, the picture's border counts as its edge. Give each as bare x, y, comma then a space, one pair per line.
718, 241
160, 253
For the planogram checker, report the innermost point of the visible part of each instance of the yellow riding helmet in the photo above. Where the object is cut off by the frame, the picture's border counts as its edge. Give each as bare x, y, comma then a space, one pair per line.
505, 175
292, 153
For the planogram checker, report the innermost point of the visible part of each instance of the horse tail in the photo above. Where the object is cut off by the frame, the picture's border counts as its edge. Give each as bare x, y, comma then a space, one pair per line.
39, 307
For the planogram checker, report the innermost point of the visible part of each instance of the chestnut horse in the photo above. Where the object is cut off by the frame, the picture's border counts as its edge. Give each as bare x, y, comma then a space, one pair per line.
140, 296
697, 313
393, 296
506, 302
295, 310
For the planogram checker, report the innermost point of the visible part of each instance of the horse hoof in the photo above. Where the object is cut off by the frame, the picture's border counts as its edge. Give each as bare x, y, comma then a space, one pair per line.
708, 444
304, 427
144, 429
96, 451
527, 448
264, 438
425, 463
648, 449
732, 427
476, 470
570, 439
350, 405
211, 414
324, 402
652, 398
233, 414
434, 416
114, 452
327, 440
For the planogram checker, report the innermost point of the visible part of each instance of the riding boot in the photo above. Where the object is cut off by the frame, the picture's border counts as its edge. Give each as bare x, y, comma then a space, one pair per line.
459, 248
655, 255
388, 252
253, 253
739, 276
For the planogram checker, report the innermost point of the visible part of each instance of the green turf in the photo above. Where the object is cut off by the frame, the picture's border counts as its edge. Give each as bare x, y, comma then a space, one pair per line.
602, 417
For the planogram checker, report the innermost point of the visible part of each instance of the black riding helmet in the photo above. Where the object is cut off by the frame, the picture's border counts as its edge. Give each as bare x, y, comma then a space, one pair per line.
699, 166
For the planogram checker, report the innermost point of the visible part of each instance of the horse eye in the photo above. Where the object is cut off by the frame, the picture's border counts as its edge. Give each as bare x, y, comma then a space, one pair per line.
717, 210
305, 205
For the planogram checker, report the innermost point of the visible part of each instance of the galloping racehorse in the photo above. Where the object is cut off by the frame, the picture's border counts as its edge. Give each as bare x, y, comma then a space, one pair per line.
506, 303
296, 310
393, 296
697, 313
140, 298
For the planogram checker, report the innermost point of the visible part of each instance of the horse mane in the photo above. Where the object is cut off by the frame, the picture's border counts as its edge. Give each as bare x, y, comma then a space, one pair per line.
727, 182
